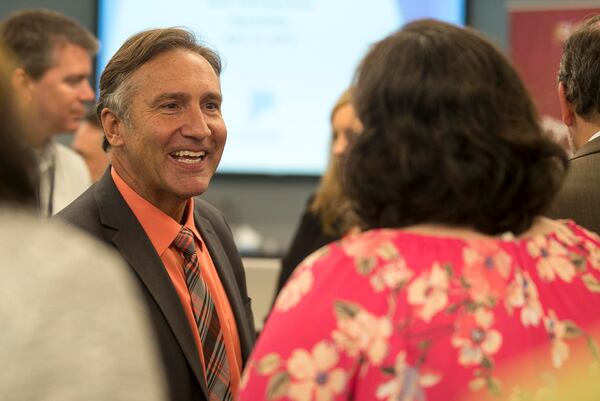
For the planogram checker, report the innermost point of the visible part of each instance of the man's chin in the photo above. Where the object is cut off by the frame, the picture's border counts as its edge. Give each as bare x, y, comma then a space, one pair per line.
196, 190
71, 125
71, 128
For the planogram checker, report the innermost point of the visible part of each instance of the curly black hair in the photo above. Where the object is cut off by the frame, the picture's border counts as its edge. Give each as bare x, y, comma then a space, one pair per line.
450, 136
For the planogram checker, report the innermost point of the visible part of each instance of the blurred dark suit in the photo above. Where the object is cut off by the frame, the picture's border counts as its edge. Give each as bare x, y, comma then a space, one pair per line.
579, 198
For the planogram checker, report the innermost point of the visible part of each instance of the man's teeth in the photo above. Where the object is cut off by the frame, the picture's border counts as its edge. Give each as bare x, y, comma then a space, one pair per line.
184, 153
187, 156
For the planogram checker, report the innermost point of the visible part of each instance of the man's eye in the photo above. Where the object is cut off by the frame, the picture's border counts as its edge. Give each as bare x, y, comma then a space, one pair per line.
73, 81
170, 106
213, 106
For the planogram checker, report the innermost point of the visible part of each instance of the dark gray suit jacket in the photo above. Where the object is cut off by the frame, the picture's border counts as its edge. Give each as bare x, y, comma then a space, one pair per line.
102, 212
579, 197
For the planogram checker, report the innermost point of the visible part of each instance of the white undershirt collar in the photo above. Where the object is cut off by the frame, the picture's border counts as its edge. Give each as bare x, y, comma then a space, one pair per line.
596, 135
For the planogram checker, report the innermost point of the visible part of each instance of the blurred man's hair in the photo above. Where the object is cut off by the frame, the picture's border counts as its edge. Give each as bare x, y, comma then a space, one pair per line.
32, 36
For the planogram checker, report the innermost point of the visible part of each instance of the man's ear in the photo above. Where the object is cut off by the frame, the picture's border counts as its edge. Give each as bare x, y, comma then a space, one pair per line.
113, 127
566, 109
22, 83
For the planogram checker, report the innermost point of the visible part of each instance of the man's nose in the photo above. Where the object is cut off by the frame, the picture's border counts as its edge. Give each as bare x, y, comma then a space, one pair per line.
197, 124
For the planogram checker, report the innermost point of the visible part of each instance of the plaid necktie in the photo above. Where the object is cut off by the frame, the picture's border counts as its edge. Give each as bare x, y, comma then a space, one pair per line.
209, 328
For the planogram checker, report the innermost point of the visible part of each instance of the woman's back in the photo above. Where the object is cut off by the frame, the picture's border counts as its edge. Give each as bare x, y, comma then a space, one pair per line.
451, 143
399, 315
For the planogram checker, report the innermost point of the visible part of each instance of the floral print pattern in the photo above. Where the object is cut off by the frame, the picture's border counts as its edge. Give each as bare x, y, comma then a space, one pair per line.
486, 269
552, 259
359, 332
594, 255
557, 331
393, 275
292, 294
407, 383
475, 337
314, 374
522, 293
366, 250
429, 292
399, 316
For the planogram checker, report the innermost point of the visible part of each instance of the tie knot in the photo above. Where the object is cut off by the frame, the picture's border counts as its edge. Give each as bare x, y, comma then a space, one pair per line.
185, 241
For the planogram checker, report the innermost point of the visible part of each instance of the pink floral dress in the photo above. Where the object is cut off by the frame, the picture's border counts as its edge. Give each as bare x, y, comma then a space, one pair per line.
393, 315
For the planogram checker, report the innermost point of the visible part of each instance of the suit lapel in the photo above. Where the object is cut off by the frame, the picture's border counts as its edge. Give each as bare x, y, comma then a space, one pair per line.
126, 233
223, 267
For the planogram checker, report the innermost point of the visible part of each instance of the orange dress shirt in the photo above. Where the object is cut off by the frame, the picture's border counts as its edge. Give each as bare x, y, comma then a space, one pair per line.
162, 230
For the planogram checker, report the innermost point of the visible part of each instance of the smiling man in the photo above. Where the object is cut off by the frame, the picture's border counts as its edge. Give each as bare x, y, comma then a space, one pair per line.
160, 107
54, 63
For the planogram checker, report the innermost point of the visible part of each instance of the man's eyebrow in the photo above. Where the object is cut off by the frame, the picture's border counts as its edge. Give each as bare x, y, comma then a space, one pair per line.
180, 96
77, 77
214, 96
184, 97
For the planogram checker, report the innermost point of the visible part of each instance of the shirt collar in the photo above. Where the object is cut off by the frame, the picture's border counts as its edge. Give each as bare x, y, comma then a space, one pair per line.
160, 227
45, 155
596, 135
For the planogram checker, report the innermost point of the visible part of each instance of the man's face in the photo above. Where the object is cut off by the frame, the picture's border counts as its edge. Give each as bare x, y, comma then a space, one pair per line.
172, 142
59, 96
88, 143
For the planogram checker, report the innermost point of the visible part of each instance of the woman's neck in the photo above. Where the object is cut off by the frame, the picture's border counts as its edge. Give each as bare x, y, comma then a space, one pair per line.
541, 226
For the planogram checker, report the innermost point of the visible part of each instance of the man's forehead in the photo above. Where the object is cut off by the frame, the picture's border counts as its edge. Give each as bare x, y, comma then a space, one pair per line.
58, 56
169, 70
61, 44
164, 60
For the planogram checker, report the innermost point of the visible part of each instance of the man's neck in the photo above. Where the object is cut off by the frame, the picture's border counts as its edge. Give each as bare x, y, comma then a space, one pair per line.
167, 203
43, 146
583, 130
40, 134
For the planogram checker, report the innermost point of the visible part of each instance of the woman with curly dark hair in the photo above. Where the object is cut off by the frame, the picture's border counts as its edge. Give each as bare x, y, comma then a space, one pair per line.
456, 276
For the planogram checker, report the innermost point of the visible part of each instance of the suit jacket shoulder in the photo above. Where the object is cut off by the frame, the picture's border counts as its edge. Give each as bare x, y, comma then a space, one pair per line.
84, 214
579, 197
